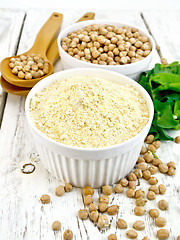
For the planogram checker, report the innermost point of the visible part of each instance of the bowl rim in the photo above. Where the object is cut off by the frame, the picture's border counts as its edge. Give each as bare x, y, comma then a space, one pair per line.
40, 85
103, 21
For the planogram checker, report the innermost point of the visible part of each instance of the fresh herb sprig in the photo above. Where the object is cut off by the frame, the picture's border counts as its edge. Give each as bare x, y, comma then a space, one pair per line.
163, 85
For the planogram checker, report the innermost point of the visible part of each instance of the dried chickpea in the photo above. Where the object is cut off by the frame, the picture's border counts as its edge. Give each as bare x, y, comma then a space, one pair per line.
132, 184
162, 189
150, 139
140, 159
143, 150
163, 168
141, 201
171, 164
151, 148
145, 238
153, 181
157, 144
171, 171
68, 187
139, 211
163, 205
83, 214
45, 199
139, 225
104, 198
160, 221
124, 182
163, 234
103, 221
132, 234
138, 173
88, 199
156, 162
139, 193
132, 177
93, 207
121, 224
146, 174
56, 226
94, 215
68, 235
154, 213
130, 193
60, 190
118, 188
102, 207
151, 195
148, 157
177, 139
178, 237
87, 190
112, 237
153, 169
154, 188
112, 210
142, 166
107, 190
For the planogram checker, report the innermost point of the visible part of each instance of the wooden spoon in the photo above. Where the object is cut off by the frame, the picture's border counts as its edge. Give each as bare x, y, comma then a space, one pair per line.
52, 55
40, 46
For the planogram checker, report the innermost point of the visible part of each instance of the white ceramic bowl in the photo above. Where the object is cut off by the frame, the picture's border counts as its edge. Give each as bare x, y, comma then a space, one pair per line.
80, 166
132, 70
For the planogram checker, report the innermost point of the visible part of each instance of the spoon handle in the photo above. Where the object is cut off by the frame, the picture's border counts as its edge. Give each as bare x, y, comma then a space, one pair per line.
53, 52
47, 34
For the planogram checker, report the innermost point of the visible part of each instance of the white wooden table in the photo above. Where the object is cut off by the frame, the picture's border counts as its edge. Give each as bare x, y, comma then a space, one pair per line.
22, 216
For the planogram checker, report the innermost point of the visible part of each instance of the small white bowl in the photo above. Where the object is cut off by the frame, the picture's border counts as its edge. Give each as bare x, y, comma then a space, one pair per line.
132, 70
81, 166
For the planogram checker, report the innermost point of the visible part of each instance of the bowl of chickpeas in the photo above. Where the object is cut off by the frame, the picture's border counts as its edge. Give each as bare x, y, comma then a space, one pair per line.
111, 45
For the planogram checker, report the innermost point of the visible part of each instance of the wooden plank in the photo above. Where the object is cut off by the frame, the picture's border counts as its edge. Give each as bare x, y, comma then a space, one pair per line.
20, 206
164, 25
11, 22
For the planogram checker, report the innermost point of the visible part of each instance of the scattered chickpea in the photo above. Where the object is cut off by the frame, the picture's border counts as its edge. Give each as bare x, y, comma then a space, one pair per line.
171, 171
112, 237
177, 139
104, 198
151, 195
60, 190
139, 193
163, 205
118, 188
112, 210
160, 221
56, 226
142, 166
143, 150
148, 157
124, 182
154, 213
132, 177
145, 238
171, 164
139, 225
132, 234
130, 193
103, 221
154, 188
68, 187
102, 207
93, 207
151, 148
121, 224
132, 184
45, 199
138, 173
83, 214
153, 169
68, 235
163, 234
140, 159
162, 189
107, 190
153, 181
163, 168
88, 190
146, 174
139, 211
94, 215
141, 201
156, 144
88, 199
156, 162
150, 139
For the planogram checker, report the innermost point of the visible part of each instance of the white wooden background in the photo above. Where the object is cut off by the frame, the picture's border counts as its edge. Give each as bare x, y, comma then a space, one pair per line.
22, 216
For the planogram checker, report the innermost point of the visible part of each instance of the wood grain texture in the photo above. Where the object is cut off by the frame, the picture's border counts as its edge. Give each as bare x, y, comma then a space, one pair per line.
22, 216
